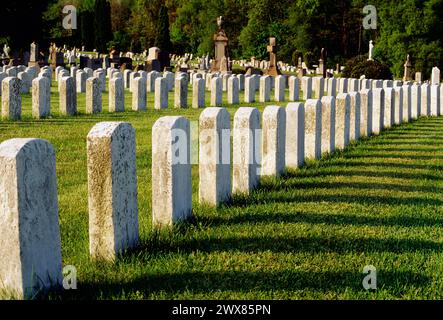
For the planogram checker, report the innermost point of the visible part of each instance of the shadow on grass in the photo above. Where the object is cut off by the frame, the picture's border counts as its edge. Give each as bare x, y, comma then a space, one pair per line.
282, 244
439, 142
341, 198
322, 218
242, 281
336, 185
385, 164
387, 155
332, 171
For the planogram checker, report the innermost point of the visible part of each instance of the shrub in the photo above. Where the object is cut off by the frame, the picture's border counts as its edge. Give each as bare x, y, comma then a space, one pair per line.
359, 65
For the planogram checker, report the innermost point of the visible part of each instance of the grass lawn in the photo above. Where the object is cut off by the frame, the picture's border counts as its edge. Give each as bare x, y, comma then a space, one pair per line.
307, 235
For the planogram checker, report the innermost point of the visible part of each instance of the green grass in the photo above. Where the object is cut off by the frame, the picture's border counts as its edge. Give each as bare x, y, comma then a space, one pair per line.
307, 235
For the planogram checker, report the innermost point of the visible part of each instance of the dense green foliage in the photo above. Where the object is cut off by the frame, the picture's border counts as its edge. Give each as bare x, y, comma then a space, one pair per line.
359, 66
102, 25
162, 39
302, 28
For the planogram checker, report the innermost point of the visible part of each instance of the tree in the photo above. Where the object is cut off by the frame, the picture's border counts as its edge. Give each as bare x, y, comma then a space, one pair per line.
29, 13
102, 25
416, 31
162, 38
86, 25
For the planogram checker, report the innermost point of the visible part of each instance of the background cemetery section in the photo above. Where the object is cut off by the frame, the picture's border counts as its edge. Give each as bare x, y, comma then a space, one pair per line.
300, 30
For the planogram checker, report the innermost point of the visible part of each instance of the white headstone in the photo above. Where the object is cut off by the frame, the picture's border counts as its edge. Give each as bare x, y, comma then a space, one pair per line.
41, 95
161, 93
318, 84
216, 92
214, 156
415, 100
294, 88
265, 89
354, 116
407, 103
435, 100
389, 113
247, 150
332, 87
280, 87
198, 93
181, 93
398, 105
425, 105
249, 90
93, 95
342, 120
25, 82
273, 141
112, 190
30, 247
150, 81
116, 95
11, 99
307, 87
378, 102
295, 135
68, 96
171, 171
313, 128
233, 90
365, 112
139, 100
435, 77
328, 124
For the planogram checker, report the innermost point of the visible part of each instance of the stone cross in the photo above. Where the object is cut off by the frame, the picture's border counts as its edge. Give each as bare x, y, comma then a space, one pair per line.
272, 49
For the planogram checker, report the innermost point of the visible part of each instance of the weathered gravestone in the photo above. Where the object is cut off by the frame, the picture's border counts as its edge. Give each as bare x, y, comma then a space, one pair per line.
112, 190
93, 95
247, 150
273, 141
30, 248
273, 69
171, 171
295, 135
68, 96
11, 99
214, 156
41, 95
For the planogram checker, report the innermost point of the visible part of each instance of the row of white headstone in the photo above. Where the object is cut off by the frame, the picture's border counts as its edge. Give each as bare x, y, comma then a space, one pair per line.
141, 82
284, 138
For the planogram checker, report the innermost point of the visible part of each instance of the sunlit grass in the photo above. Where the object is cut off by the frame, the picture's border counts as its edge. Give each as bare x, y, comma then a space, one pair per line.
307, 235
